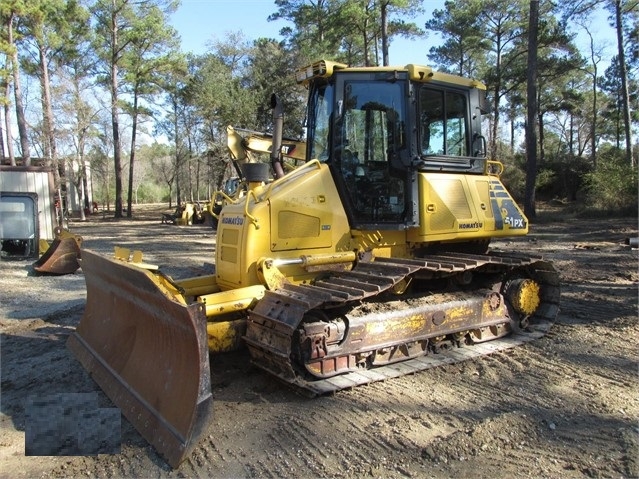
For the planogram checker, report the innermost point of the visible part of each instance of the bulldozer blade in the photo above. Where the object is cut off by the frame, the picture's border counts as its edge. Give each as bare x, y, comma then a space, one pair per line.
60, 258
148, 352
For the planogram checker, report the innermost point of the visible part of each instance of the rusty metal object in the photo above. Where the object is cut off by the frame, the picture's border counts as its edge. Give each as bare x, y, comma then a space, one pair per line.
147, 352
62, 257
391, 333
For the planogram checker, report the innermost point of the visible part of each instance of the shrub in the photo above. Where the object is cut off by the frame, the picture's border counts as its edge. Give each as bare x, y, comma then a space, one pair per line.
612, 187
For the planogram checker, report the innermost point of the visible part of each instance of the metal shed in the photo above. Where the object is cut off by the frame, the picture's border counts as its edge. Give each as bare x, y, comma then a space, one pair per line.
27, 209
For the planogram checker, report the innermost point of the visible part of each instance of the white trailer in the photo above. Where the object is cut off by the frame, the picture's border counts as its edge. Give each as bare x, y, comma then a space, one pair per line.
27, 209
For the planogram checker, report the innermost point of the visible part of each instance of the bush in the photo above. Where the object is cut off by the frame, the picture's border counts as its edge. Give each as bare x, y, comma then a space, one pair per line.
612, 187
546, 181
514, 177
151, 193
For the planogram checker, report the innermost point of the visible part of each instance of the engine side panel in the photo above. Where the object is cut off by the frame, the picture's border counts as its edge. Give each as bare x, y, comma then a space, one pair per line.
299, 214
458, 207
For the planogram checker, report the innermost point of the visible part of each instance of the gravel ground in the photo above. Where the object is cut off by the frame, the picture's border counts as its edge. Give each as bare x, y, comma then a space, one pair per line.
565, 405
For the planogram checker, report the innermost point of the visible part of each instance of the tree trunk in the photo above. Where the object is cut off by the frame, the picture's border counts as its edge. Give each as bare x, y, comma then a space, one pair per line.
7, 123
117, 147
541, 154
531, 93
593, 133
2, 150
367, 60
624, 83
384, 9
134, 129
82, 186
593, 128
47, 106
496, 100
79, 186
17, 93
88, 192
513, 127
50, 150
177, 153
83, 126
495, 124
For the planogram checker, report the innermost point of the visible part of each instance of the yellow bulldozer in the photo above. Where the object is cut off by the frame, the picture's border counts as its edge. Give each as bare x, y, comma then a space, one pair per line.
368, 261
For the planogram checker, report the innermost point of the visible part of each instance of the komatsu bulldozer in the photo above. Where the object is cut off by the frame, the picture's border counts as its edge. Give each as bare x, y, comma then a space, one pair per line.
368, 261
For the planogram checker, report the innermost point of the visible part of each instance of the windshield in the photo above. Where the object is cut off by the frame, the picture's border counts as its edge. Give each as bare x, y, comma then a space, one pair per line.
373, 119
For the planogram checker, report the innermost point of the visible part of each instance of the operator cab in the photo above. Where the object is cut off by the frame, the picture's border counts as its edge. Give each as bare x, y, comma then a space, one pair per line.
377, 127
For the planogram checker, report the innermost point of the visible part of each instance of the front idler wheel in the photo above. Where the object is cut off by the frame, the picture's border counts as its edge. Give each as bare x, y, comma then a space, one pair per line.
524, 295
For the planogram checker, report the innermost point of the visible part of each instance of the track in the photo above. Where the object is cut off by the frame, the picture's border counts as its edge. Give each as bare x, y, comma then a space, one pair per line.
274, 322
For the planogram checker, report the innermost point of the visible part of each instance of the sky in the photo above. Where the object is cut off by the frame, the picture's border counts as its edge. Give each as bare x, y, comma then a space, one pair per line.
201, 21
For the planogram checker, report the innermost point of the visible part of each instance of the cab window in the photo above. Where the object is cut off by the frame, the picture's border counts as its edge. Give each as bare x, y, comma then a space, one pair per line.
443, 128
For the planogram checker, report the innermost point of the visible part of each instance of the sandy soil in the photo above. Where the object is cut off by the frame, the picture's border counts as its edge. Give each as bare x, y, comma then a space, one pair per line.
563, 406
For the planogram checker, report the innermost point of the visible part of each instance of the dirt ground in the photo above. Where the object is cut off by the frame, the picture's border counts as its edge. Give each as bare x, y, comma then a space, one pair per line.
566, 405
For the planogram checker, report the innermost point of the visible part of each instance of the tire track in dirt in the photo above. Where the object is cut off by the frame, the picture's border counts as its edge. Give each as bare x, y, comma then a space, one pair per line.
568, 425
307, 435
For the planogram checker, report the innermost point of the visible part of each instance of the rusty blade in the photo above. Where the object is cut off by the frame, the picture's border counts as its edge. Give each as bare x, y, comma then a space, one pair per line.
61, 257
147, 352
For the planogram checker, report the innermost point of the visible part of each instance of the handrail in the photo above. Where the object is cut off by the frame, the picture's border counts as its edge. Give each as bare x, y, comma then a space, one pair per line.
226, 197
249, 215
494, 163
